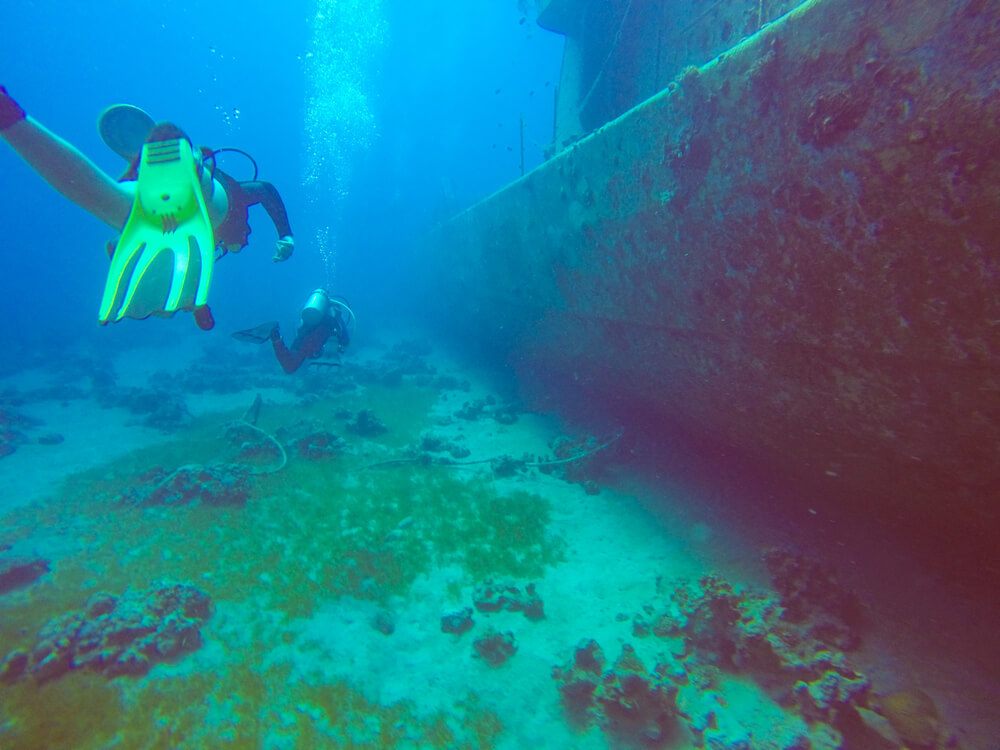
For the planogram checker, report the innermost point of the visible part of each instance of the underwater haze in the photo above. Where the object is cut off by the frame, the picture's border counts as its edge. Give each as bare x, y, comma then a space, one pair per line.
632, 382
367, 116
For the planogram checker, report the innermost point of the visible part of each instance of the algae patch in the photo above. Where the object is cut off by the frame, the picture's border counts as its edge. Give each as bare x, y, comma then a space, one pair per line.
315, 531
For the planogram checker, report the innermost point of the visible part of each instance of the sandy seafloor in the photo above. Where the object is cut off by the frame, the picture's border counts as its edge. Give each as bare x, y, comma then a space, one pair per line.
290, 657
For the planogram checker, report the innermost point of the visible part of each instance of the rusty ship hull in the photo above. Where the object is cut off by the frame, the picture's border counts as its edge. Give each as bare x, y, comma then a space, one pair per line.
793, 248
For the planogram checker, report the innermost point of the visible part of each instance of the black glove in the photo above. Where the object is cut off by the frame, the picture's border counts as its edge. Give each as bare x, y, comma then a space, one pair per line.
10, 111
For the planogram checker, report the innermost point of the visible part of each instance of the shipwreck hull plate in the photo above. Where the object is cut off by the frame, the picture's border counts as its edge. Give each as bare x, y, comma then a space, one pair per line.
794, 249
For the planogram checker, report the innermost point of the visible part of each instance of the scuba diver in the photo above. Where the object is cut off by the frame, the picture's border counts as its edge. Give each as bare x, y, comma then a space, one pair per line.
176, 212
322, 317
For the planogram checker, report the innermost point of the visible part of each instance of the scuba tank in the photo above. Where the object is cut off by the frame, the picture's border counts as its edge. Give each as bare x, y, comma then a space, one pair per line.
316, 308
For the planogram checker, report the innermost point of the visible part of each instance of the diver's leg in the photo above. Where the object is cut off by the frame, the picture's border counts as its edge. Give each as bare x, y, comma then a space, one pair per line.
289, 359
68, 170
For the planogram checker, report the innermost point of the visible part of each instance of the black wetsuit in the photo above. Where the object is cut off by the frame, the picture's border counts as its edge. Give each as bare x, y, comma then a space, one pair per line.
309, 343
235, 227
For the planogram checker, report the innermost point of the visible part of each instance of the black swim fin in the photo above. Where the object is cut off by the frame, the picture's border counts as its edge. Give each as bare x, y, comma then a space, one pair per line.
257, 334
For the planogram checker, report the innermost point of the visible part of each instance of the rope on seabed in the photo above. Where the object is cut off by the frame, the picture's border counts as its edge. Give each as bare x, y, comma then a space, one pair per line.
251, 412
272, 439
253, 470
447, 463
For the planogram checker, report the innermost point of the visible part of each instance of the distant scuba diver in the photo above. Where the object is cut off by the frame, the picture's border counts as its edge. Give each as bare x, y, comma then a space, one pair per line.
177, 213
322, 317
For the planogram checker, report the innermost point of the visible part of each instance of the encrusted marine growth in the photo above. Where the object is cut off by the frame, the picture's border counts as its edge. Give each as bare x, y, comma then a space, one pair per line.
488, 406
12, 426
209, 485
790, 642
494, 647
491, 596
318, 445
579, 679
432, 443
403, 360
457, 622
579, 459
159, 408
630, 703
17, 572
810, 593
748, 632
116, 635
367, 424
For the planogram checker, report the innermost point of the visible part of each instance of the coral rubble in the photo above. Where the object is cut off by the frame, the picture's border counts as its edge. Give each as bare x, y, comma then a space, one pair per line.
495, 647
458, 622
630, 703
209, 485
318, 445
710, 630
117, 635
490, 596
18, 572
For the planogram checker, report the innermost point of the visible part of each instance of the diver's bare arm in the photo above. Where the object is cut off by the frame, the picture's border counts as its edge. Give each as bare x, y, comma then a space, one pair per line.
70, 172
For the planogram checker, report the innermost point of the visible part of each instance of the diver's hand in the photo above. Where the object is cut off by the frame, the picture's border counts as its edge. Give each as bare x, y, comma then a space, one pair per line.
284, 248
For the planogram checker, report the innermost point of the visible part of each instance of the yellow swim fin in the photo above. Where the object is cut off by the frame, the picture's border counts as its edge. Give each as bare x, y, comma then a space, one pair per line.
163, 260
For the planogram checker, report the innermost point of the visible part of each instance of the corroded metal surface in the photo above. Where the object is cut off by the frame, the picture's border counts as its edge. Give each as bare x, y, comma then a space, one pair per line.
795, 248
620, 52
